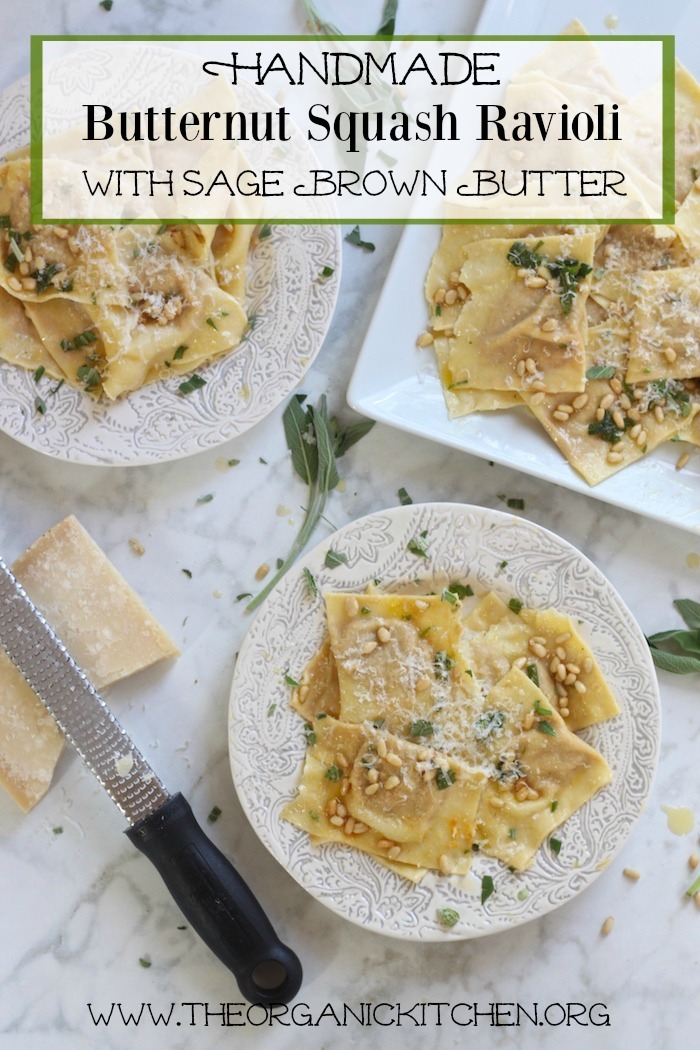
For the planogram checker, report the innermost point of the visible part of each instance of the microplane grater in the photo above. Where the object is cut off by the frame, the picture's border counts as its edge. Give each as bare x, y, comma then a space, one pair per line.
206, 886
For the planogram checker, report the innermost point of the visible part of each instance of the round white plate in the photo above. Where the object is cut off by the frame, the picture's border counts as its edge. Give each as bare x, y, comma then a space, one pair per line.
292, 306
492, 551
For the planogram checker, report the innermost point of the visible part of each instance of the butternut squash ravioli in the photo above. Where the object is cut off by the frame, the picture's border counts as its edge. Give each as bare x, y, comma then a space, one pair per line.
592, 329
438, 727
108, 309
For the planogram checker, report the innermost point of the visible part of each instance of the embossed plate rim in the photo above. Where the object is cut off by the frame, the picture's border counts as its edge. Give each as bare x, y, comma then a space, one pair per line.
267, 745
154, 424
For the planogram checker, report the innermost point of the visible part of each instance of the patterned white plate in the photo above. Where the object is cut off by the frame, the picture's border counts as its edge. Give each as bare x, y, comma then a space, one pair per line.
492, 551
292, 306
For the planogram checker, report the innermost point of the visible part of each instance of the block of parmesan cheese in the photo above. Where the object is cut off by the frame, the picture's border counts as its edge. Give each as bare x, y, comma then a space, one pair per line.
104, 624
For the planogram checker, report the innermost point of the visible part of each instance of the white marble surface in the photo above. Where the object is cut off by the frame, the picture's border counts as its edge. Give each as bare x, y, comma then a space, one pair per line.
79, 909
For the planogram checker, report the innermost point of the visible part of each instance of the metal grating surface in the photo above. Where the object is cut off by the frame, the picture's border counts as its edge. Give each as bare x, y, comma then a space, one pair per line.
77, 707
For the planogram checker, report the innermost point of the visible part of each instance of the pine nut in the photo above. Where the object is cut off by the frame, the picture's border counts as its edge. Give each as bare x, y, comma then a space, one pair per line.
580, 401
349, 826
394, 852
561, 652
607, 926
693, 861
538, 398
372, 789
682, 460
535, 282
391, 782
670, 354
530, 365
614, 457
631, 873
381, 748
580, 686
562, 417
520, 367
658, 413
373, 775
393, 759
262, 571
549, 325
606, 402
336, 821
352, 606
424, 339
619, 419
615, 385
539, 386
383, 635
359, 828
641, 438
369, 647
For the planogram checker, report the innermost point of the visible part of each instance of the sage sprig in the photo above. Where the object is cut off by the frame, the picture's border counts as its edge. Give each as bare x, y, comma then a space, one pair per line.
315, 443
678, 650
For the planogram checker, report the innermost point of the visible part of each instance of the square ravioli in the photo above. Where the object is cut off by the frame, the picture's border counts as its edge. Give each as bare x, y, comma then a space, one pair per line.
598, 441
399, 801
542, 773
525, 319
398, 656
664, 338
459, 398
547, 645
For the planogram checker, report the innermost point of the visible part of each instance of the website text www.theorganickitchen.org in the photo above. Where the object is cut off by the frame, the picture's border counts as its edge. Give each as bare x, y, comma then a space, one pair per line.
331, 1016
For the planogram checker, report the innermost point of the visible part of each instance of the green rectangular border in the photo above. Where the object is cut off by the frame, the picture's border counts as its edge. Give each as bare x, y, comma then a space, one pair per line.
36, 188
